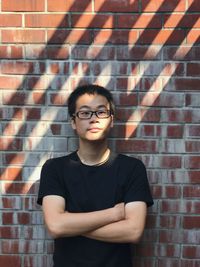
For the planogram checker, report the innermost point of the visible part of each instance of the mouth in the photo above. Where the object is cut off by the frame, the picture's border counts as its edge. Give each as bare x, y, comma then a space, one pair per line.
94, 129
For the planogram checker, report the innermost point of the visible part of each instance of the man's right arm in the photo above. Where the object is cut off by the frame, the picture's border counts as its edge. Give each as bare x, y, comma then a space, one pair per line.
62, 223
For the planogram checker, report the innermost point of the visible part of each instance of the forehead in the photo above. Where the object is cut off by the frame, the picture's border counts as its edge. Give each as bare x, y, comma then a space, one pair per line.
91, 101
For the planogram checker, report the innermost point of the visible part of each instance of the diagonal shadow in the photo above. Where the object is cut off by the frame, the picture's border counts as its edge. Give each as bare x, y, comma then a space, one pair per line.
111, 41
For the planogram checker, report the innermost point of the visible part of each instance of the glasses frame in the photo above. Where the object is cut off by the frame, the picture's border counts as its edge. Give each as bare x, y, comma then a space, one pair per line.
109, 113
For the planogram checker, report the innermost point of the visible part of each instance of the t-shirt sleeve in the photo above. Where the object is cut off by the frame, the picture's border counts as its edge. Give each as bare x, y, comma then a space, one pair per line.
50, 182
137, 187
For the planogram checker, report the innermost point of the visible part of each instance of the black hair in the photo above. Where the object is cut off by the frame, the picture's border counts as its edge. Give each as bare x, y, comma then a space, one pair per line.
89, 89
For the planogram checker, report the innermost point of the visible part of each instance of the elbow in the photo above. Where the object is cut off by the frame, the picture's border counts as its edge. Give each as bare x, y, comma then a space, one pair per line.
54, 230
135, 236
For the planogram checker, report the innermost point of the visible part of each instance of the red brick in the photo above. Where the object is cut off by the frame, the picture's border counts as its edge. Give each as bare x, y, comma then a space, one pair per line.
23, 36
163, 6
126, 99
56, 129
170, 221
25, 67
191, 191
175, 131
153, 99
14, 159
182, 20
153, 84
12, 174
176, 206
115, 36
36, 82
10, 232
181, 53
189, 263
70, 5
11, 144
58, 99
93, 52
142, 114
192, 100
10, 260
166, 262
191, 252
57, 52
193, 6
116, 6
19, 188
11, 203
193, 69
138, 53
193, 37
69, 37
193, 131
168, 250
161, 37
37, 260
23, 5
179, 116
17, 98
11, 82
191, 222
92, 21
192, 146
12, 113
134, 21
147, 146
11, 52
193, 176
124, 131
192, 162
10, 20
46, 20
33, 114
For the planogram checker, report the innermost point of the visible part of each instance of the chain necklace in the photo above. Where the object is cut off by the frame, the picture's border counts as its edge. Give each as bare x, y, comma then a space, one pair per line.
97, 164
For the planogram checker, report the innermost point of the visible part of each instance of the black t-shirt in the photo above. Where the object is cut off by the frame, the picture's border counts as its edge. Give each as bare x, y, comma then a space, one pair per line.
91, 188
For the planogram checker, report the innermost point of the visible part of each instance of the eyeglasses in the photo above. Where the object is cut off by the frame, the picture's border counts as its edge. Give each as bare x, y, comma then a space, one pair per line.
87, 114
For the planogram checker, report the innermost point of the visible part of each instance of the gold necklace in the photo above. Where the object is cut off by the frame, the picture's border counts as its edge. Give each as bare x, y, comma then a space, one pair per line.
97, 164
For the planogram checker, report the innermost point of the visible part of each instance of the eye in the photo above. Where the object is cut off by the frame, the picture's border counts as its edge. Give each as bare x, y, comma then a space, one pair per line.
102, 112
84, 113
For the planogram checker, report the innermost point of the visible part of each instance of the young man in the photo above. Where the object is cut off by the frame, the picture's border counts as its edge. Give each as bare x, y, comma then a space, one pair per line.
94, 200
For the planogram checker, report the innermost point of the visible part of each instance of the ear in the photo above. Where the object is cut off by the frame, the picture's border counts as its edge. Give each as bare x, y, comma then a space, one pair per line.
73, 123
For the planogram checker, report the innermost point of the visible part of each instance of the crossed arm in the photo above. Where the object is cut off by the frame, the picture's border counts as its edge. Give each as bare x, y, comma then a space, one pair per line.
120, 224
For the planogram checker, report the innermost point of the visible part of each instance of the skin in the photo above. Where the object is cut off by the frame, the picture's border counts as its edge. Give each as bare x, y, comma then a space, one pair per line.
121, 223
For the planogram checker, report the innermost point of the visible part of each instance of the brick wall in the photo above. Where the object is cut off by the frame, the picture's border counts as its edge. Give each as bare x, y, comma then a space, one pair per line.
147, 53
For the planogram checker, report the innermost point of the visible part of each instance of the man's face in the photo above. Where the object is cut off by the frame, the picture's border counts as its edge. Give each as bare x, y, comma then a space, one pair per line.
94, 128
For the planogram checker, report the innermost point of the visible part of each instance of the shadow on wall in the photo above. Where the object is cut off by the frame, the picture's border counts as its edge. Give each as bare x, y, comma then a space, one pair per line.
135, 102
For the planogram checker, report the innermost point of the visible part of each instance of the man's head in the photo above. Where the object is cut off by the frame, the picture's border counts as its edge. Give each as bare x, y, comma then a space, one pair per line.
91, 108
90, 89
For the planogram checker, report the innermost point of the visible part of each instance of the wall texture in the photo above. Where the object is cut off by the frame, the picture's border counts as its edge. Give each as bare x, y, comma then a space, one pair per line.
147, 53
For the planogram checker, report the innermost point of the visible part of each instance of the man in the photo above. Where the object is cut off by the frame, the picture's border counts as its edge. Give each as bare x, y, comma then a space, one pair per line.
94, 200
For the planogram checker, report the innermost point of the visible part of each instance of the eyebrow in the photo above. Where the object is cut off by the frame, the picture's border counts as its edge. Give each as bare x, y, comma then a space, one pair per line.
88, 107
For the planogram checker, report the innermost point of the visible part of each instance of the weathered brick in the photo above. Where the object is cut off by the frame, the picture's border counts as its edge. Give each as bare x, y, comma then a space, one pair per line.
23, 5
116, 6
70, 6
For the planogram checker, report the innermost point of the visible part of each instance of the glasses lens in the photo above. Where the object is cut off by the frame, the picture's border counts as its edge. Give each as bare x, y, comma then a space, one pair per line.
84, 114
103, 113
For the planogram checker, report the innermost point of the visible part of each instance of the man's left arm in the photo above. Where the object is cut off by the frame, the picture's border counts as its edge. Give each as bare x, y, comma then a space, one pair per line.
128, 230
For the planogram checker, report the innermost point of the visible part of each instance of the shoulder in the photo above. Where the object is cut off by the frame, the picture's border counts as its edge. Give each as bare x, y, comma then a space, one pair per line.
129, 160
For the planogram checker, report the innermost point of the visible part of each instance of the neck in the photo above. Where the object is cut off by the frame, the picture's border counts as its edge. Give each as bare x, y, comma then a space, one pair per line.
93, 153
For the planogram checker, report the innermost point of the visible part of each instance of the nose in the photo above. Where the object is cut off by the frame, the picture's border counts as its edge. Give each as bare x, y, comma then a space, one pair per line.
94, 118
